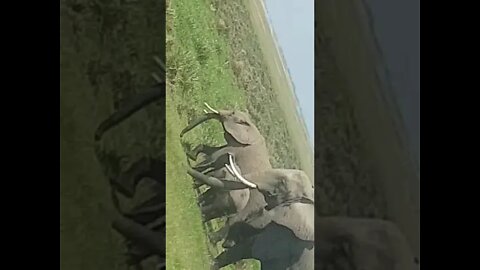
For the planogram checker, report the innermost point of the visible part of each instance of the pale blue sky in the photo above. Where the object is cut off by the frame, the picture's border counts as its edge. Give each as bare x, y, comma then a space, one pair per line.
293, 23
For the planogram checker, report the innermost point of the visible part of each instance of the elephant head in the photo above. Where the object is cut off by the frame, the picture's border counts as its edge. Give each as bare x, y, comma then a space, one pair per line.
288, 193
237, 125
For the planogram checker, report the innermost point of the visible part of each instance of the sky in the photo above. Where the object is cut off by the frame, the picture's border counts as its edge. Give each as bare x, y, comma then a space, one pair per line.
293, 23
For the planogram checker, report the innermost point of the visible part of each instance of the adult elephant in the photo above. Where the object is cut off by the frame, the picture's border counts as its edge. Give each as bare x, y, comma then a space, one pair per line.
243, 139
246, 143
281, 235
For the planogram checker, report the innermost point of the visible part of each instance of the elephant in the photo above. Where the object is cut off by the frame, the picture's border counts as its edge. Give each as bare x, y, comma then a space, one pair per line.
243, 138
245, 141
281, 235
367, 243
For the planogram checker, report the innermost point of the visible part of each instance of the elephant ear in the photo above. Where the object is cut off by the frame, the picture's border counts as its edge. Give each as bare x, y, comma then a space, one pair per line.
298, 217
242, 131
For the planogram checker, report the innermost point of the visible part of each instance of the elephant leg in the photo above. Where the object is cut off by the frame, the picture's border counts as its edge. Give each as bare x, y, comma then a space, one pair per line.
220, 207
202, 148
236, 253
207, 197
210, 212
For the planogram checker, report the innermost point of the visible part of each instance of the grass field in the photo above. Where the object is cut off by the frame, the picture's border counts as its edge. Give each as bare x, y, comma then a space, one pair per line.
198, 71
214, 56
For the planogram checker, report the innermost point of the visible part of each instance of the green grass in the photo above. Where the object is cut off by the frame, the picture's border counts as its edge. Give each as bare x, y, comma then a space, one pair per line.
198, 71
186, 240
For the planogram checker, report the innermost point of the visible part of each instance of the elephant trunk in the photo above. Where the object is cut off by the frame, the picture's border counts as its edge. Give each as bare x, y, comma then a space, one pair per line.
198, 121
143, 99
140, 234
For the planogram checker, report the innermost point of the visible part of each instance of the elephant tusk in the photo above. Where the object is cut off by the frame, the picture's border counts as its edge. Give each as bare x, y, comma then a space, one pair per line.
229, 169
238, 175
205, 111
210, 108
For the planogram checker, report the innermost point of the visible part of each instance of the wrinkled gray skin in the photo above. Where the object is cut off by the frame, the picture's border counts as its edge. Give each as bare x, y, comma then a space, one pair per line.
216, 202
243, 139
371, 244
280, 236
248, 146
